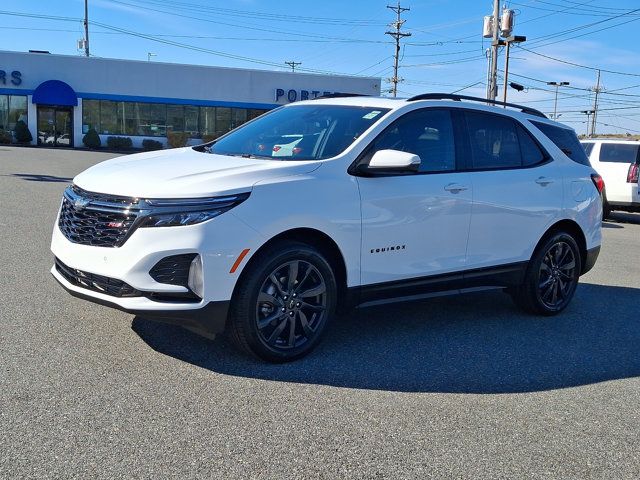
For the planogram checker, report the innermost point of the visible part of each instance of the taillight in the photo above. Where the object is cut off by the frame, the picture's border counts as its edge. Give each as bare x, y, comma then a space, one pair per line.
277, 148
598, 182
632, 175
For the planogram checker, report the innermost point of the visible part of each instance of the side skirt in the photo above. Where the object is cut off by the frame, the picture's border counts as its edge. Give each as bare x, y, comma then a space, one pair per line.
499, 277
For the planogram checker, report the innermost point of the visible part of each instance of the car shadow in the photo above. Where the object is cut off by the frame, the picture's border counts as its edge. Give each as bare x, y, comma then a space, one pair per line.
620, 218
475, 343
34, 177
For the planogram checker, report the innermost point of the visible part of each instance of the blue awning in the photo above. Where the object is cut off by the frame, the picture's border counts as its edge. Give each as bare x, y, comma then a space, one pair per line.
55, 92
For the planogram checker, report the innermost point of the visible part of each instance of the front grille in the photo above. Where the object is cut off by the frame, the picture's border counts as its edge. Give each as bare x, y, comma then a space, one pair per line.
95, 219
173, 270
97, 283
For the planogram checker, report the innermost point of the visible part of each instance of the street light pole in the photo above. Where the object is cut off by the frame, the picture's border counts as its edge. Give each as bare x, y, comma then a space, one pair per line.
555, 104
588, 113
508, 41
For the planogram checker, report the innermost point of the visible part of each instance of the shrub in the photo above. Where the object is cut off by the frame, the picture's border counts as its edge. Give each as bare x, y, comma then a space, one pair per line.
149, 145
92, 139
5, 137
210, 137
23, 135
177, 139
119, 143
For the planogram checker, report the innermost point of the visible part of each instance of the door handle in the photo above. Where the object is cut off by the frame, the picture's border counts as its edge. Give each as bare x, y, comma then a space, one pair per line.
455, 188
544, 181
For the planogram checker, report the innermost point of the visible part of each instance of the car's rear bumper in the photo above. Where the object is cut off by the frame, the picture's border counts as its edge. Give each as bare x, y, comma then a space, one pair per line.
207, 319
590, 259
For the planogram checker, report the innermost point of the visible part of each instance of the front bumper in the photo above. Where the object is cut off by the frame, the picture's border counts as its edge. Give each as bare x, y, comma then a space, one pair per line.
206, 318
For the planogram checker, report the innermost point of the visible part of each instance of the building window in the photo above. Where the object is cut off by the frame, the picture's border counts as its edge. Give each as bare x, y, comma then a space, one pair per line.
154, 119
13, 108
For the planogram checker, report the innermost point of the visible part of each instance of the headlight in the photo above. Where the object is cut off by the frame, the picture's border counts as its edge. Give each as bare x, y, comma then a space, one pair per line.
188, 211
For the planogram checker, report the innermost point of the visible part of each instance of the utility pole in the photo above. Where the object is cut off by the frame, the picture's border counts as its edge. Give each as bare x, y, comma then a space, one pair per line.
595, 107
495, 43
397, 34
293, 65
86, 27
555, 103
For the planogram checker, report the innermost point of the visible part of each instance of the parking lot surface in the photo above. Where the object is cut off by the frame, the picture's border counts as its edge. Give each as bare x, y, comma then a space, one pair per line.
456, 387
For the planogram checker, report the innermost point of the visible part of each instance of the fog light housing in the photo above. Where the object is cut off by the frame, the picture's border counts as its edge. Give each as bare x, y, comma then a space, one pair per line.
196, 277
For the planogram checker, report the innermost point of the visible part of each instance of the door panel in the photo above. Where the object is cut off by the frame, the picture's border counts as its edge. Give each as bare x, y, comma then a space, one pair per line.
46, 126
64, 130
514, 201
511, 211
414, 226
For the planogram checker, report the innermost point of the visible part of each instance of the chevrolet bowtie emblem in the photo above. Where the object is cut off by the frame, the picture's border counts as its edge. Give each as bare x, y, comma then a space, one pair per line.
80, 203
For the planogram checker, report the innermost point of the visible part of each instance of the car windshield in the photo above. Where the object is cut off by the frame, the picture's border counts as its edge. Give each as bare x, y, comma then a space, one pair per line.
301, 132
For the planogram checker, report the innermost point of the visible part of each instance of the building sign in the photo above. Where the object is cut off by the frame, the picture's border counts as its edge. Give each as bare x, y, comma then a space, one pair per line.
293, 95
10, 78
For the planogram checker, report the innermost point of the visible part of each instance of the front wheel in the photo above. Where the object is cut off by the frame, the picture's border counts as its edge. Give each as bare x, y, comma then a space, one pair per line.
552, 276
284, 303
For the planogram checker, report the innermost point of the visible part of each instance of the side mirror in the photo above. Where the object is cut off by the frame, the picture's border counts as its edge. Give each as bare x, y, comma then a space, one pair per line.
394, 160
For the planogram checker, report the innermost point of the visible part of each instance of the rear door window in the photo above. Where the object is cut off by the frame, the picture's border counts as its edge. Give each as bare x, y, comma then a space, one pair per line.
619, 153
566, 140
493, 140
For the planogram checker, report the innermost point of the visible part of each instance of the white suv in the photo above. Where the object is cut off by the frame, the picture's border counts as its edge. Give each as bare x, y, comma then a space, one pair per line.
380, 200
618, 161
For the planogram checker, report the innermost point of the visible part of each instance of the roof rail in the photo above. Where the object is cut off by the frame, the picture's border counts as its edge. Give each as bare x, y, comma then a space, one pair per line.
340, 95
457, 98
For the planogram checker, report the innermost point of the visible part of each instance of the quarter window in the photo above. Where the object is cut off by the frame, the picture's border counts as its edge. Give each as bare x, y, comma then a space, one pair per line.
426, 133
566, 140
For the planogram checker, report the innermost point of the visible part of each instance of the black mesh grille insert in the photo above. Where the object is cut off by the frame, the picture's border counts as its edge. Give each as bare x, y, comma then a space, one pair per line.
94, 219
97, 283
173, 270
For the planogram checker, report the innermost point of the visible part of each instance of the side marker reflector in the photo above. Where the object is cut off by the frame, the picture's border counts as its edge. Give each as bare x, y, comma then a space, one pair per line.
239, 260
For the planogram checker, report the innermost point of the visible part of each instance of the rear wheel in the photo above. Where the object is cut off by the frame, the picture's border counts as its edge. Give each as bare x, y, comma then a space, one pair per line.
606, 208
286, 299
552, 276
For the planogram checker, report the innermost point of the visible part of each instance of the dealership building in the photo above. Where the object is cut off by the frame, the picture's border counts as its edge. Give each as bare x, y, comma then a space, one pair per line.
61, 97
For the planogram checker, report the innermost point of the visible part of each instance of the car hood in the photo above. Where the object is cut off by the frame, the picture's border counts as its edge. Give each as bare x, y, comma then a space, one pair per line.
183, 173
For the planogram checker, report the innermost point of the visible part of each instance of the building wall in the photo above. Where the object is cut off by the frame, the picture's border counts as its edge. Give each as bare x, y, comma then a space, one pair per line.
155, 82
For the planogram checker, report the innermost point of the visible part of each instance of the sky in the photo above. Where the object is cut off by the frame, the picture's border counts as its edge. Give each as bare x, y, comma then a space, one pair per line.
567, 41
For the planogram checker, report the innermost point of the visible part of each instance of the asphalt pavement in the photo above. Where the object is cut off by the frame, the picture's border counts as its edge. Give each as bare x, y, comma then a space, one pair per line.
456, 387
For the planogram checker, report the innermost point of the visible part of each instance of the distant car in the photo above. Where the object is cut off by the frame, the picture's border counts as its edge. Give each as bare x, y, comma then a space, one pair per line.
618, 162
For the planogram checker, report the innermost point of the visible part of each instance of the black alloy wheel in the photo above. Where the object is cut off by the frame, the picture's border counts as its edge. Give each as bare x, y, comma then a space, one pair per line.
283, 302
291, 304
552, 276
557, 276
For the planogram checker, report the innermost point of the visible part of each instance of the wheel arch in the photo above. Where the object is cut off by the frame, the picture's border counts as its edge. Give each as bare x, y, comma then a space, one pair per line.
314, 238
573, 228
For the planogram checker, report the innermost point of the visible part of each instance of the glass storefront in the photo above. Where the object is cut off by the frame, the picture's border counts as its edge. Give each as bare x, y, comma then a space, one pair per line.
155, 119
13, 108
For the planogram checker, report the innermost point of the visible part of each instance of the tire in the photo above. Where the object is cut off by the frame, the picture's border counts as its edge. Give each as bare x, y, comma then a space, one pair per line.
606, 208
286, 299
552, 276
